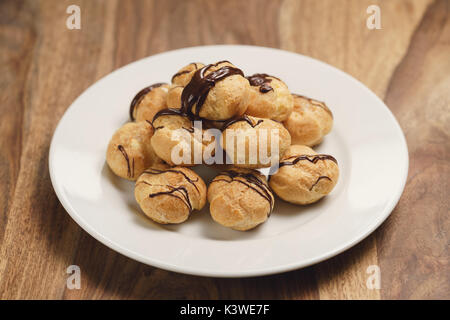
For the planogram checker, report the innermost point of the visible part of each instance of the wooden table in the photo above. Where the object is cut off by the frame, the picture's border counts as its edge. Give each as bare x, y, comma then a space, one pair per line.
45, 66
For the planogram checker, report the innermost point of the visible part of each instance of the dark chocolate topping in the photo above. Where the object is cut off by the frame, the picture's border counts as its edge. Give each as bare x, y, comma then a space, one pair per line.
243, 118
184, 71
191, 129
158, 171
140, 95
183, 191
130, 168
196, 91
317, 181
316, 103
180, 73
311, 158
169, 112
262, 81
250, 180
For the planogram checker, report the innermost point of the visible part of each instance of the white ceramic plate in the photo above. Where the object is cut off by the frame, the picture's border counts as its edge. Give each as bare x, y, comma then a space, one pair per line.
366, 140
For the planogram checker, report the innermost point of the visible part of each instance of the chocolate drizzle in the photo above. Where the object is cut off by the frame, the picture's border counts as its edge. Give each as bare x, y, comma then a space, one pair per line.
310, 158
172, 112
158, 171
250, 180
317, 181
182, 194
169, 112
243, 118
130, 168
196, 91
316, 103
182, 191
140, 95
150, 123
191, 129
262, 81
184, 71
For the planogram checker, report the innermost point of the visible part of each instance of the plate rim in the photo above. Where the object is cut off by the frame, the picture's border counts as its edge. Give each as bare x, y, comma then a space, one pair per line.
389, 207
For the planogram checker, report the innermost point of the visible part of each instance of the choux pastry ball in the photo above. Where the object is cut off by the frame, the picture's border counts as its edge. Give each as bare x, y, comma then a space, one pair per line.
148, 102
269, 98
129, 151
304, 176
240, 199
309, 121
169, 194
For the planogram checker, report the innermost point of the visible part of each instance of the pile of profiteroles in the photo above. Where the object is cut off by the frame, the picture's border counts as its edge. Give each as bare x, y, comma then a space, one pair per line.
222, 97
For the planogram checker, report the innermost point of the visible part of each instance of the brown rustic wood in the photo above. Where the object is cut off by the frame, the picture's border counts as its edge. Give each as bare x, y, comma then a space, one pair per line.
414, 243
44, 67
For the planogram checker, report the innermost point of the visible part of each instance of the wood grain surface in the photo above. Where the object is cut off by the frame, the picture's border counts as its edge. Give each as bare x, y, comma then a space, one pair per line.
44, 67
